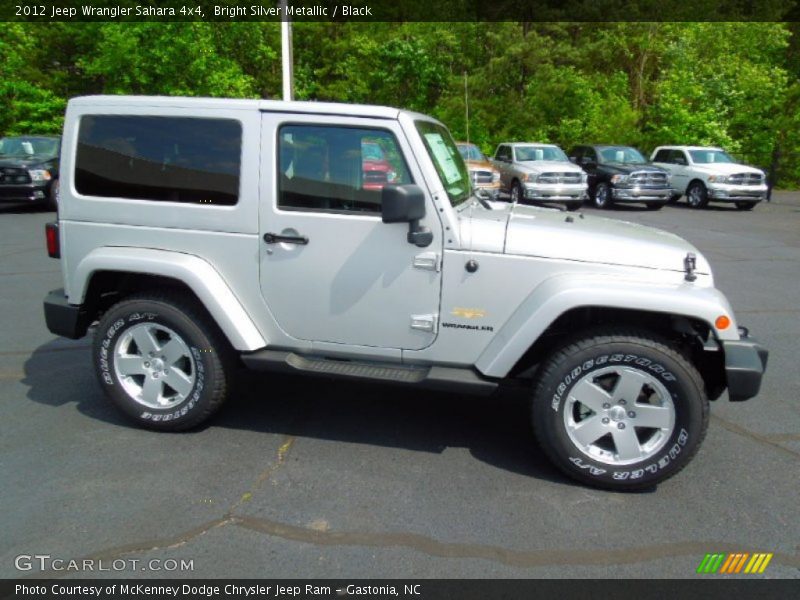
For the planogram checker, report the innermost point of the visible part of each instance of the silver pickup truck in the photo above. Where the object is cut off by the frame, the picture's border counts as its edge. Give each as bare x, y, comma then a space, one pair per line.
533, 173
197, 236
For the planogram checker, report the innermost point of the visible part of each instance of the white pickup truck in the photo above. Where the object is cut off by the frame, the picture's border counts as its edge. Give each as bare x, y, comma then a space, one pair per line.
707, 174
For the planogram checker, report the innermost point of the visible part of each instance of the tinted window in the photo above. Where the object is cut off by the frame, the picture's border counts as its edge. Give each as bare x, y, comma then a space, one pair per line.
25, 147
503, 153
704, 157
337, 168
662, 156
171, 159
678, 157
534, 153
621, 154
590, 154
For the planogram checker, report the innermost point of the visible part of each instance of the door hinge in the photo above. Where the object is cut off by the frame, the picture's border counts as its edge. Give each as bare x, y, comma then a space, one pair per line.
424, 322
427, 260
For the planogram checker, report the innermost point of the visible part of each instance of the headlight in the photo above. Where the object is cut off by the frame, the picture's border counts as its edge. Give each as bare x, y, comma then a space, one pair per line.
39, 174
531, 177
495, 176
717, 178
618, 178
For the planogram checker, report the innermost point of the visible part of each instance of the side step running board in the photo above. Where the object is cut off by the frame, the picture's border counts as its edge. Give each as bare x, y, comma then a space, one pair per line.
438, 378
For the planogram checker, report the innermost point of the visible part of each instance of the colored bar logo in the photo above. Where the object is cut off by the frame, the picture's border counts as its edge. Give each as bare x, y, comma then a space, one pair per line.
734, 563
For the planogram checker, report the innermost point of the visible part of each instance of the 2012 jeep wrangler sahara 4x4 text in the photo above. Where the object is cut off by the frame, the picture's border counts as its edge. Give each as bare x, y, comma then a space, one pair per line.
201, 234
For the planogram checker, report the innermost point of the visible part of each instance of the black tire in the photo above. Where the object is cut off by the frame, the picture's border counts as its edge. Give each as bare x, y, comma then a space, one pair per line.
602, 196
516, 193
745, 205
206, 366
573, 205
638, 355
697, 195
674, 198
655, 205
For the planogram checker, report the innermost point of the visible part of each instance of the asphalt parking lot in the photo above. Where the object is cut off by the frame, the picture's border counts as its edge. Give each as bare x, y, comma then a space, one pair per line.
310, 478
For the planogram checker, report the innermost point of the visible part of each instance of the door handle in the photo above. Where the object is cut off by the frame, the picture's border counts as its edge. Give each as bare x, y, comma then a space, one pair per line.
274, 238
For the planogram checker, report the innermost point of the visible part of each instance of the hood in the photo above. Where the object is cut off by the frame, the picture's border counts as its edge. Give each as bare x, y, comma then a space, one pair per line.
726, 168
482, 165
546, 166
24, 161
628, 168
547, 233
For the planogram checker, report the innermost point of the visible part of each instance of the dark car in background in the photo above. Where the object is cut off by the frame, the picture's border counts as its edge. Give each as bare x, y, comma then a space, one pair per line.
622, 174
29, 169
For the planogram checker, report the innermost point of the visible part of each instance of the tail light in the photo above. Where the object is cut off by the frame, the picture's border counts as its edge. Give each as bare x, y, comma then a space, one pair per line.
53, 242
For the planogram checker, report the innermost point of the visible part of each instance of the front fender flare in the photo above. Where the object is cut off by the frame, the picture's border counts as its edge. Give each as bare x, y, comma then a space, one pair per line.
201, 277
560, 294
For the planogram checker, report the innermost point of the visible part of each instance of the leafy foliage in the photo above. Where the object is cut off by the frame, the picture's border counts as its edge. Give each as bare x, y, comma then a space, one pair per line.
729, 84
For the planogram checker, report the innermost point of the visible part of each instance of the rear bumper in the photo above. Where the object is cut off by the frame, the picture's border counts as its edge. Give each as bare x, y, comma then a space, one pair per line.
745, 365
64, 319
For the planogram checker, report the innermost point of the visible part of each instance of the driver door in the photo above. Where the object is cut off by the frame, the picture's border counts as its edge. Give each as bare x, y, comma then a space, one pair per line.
330, 269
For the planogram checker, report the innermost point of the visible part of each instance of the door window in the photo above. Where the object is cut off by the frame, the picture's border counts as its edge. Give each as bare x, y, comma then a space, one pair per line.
337, 169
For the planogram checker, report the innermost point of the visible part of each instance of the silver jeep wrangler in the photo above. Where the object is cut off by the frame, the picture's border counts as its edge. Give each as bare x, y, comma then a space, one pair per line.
199, 235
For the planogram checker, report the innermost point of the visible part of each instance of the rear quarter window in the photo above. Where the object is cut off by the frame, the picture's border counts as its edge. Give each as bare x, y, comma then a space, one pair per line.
162, 159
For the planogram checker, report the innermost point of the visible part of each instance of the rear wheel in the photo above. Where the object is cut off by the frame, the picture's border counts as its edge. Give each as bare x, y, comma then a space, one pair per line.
745, 205
161, 361
602, 196
619, 409
697, 195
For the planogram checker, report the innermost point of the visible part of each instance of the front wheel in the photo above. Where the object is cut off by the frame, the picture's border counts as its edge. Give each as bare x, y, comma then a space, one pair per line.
516, 192
619, 409
697, 195
52, 196
161, 361
602, 196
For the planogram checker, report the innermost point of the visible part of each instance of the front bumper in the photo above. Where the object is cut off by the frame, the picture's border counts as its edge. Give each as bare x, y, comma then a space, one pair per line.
641, 194
64, 319
554, 192
737, 193
24, 192
745, 365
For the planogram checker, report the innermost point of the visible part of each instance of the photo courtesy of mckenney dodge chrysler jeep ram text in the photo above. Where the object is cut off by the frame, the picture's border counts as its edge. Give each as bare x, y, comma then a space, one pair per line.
616, 328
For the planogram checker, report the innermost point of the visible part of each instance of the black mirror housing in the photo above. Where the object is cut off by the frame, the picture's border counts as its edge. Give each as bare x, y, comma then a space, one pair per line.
402, 203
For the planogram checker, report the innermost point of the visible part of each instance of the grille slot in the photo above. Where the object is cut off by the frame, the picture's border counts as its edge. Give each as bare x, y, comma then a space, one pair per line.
568, 177
648, 178
746, 179
13, 176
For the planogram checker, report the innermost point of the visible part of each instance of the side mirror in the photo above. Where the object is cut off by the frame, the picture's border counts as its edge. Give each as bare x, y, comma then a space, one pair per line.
406, 204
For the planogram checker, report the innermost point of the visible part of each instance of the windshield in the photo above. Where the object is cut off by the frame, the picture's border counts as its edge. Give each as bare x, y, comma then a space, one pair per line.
531, 153
28, 146
621, 154
447, 161
703, 157
470, 152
